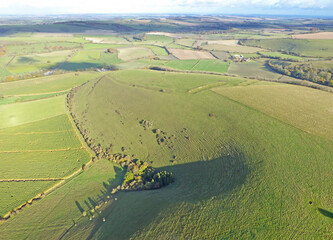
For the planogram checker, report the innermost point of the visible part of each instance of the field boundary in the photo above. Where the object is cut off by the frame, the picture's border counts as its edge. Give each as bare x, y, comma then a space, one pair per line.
206, 87
31, 133
36, 94
31, 180
62, 181
46, 150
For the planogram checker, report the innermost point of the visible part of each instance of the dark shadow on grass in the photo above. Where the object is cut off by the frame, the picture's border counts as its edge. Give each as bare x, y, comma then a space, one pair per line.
73, 66
92, 202
27, 60
326, 213
79, 207
194, 182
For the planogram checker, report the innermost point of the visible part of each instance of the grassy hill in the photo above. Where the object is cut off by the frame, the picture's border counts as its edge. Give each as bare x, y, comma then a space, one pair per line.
229, 159
251, 159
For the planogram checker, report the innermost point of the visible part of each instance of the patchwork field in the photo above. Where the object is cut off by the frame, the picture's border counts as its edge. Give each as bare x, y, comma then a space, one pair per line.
190, 54
37, 154
39, 146
226, 148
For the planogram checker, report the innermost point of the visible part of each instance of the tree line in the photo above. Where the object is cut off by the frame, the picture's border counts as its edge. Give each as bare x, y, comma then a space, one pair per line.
304, 71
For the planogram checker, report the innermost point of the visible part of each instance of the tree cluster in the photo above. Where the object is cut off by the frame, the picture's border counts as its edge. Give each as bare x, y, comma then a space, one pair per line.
304, 71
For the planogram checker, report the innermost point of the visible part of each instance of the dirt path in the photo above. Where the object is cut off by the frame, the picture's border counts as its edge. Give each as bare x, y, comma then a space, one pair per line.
36, 94
31, 180
44, 150
10, 61
30, 133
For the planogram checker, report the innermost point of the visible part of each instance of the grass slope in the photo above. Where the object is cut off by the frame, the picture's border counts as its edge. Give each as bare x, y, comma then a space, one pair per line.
240, 163
309, 110
65, 205
20, 113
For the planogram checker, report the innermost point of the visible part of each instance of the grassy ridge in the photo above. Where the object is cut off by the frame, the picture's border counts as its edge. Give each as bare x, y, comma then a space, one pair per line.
300, 102
258, 166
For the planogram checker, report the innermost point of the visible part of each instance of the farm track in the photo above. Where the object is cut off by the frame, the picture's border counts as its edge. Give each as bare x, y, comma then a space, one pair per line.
10, 61
195, 65
295, 81
61, 182
31, 179
36, 94
44, 150
32, 133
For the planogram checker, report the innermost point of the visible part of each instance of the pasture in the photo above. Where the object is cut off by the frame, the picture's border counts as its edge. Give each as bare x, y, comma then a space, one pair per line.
254, 69
39, 146
64, 205
44, 148
133, 53
231, 48
46, 84
302, 47
36, 62
281, 56
251, 159
207, 65
241, 157
183, 54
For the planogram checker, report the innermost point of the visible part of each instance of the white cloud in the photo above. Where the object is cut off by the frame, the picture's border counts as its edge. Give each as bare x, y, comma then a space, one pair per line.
151, 6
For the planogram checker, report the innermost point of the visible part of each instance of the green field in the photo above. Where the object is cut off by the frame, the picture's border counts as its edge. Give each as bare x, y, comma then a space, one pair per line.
13, 194
227, 48
90, 58
20, 113
281, 56
253, 69
159, 40
199, 65
64, 205
47, 84
36, 62
309, 48
37, 138
185, 41
24, 48
158, 51
26, 98
133, 53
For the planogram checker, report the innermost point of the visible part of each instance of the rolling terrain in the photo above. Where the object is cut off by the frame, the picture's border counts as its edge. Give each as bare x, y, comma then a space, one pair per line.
197, 97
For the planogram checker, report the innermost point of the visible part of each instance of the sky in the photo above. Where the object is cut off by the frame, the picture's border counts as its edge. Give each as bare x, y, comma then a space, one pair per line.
244, 7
